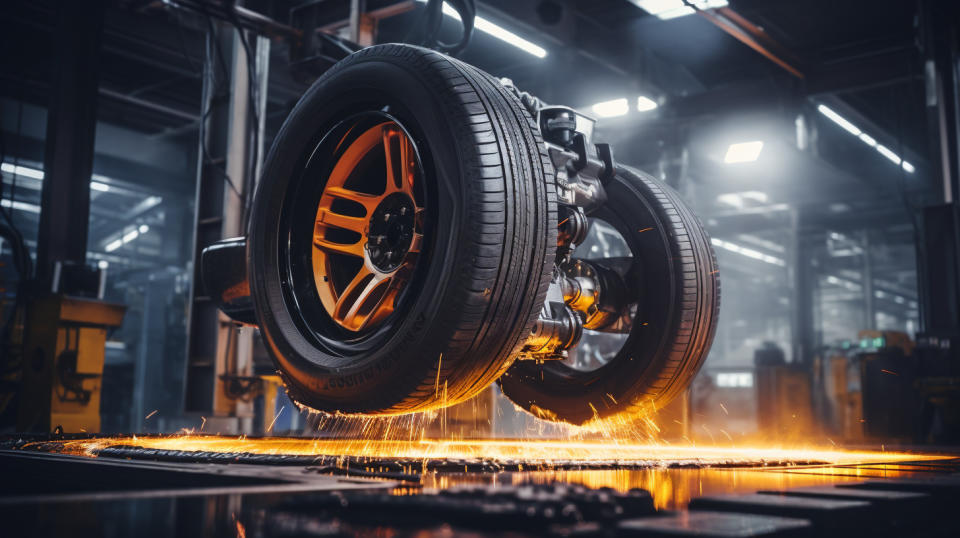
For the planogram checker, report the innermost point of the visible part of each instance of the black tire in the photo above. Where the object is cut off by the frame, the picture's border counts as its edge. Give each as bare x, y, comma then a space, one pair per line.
674, 278
488, 256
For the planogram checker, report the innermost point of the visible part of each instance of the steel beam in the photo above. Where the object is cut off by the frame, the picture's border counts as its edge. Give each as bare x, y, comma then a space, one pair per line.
71, 128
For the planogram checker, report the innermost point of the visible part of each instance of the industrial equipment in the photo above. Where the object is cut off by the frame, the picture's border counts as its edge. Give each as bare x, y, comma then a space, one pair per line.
63, 363
418, 233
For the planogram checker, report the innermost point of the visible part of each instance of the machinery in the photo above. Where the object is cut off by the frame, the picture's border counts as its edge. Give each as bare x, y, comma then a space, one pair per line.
422, 229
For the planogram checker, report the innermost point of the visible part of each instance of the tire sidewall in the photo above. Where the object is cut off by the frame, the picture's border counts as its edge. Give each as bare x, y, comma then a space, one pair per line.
385, 374
634, 376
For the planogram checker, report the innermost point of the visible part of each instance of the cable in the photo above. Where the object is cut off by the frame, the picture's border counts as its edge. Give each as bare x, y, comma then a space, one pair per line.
427, 31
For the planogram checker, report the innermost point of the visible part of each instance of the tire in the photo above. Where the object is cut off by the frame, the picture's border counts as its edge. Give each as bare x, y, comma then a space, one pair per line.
489, 237
677, 291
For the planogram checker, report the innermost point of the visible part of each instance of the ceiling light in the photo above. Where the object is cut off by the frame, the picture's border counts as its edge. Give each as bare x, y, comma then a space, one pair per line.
865, 138
868, 140
671, 9
886, 152
113, 245
748, 252
499, 32
21, 206
103, 264
645, 104
737, 199
130, 236
743, 152
144, 228
839, 120
24, 171
610, 109
97, 186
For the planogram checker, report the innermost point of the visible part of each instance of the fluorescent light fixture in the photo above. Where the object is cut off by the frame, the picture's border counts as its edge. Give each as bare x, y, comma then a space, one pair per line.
743, 152
886, 152
127, 237
610, 109
499, 32
24, 171
645, 104
103, 264
738, 199
671, 9
748, 252
839, 120
868, 140
735, 379
97, 186
865, 138
21, 206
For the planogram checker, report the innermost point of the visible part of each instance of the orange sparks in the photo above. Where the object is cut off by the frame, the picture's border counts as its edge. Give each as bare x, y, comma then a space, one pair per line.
724, 409
436, 385
154, 412
536, 452
274, 421
644, 230
889, 372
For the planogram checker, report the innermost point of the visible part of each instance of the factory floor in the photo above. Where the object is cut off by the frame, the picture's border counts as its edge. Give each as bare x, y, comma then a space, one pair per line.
218, 486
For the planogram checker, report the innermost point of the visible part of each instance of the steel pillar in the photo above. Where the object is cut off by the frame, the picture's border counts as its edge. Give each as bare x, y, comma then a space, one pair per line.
230, 158
802, 286
71, 129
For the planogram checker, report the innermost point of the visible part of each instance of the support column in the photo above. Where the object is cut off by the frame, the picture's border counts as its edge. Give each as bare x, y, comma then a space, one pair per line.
71, 130
800, 276
219, 351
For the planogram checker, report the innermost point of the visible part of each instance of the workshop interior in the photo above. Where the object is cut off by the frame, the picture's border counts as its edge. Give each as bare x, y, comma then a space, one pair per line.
480, 267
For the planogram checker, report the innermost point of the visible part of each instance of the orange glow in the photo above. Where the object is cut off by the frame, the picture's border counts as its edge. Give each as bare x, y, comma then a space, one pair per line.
673, 474
536, 453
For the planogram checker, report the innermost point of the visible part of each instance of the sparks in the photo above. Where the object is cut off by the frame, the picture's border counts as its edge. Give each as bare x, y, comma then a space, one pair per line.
154, 412
274, 421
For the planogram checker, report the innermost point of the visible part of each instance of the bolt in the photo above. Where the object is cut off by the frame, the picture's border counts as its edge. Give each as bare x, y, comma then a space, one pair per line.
403, 211
376, 239
386, 216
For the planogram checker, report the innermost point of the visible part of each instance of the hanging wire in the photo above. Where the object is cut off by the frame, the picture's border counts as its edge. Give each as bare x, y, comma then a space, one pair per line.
427, 32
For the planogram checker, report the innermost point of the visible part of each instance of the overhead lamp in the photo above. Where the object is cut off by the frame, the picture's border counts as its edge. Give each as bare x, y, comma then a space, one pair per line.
24, 171
888, 153
645, 104
611, 109
97, 186
865, 138
20, 206
498, 32
127, 237
748, 252
743, 152
671, 9
839, 120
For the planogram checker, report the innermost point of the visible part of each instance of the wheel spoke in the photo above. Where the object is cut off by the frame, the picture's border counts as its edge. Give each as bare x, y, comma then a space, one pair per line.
359, 302
368, 201
336, 220
352, 249
398, 164
416, 243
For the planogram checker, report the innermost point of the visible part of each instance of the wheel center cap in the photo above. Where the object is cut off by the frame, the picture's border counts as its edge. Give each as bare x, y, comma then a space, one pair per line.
391, 232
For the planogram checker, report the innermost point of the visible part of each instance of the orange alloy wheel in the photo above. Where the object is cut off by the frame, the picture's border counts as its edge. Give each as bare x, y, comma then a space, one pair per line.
368, 213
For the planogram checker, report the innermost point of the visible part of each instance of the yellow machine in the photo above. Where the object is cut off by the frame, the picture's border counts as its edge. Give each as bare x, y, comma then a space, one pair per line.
63, 362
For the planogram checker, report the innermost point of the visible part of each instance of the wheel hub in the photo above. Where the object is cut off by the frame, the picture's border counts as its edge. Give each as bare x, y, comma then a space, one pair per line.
391, 232
368, 232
